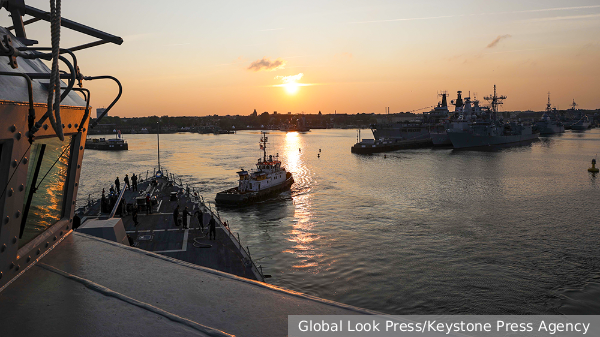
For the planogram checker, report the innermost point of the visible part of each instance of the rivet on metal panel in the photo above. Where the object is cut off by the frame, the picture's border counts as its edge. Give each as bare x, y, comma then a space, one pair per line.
18, 136
81, 147
54, 238
6, 219
0, 275
14, 163
10, 192
11, 266
45, 126
12, 128
63, 126
17, 214
38, 251
78, 166
3, 248
73, 202
14, 240
84, 129
76, 125
47, 244
70, 125
61, 233
68, 225
25, 160
75, 184
17, 268
28, 259
21, 188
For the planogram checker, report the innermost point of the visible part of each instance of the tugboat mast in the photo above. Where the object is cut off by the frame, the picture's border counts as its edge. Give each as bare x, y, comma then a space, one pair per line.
548, 106
263, 140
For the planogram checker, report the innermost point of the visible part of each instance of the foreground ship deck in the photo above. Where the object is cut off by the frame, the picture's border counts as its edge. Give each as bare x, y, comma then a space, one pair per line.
103, 288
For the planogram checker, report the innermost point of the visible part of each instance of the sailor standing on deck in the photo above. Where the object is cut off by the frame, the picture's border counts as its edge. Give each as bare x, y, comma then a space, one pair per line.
126, 181
212, 234
148, 204
134, 213
134, 182
185, 217
176, 215
118, 184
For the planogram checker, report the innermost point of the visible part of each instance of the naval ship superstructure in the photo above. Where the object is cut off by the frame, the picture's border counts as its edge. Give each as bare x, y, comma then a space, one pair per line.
581, 122
56, 280
493, 131
465, 112
549, 123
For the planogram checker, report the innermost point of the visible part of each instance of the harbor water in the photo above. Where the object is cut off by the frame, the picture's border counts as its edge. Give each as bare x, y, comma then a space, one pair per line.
424, 231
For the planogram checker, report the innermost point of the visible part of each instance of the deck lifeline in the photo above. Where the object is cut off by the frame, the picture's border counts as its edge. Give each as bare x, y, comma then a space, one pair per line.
157, 232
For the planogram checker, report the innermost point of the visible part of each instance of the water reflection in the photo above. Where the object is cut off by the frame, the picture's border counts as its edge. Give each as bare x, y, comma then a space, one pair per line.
302, 230
47, 202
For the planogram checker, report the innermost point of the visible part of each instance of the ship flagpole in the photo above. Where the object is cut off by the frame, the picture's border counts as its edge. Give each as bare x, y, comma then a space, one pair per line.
158, 143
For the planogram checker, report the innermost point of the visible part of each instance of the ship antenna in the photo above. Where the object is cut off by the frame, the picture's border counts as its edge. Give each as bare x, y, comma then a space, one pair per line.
495, 101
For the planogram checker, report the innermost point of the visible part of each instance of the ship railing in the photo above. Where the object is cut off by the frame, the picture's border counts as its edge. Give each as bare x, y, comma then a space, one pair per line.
235, 238
117, 203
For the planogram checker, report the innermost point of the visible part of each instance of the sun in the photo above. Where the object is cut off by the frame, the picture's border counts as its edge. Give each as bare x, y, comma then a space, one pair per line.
291, 87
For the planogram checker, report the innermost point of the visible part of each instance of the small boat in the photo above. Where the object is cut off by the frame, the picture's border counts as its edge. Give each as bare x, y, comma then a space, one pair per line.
369, 146
116, 144
269, 179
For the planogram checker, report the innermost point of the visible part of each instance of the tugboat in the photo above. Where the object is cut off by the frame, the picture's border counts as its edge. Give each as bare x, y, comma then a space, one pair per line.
268, 179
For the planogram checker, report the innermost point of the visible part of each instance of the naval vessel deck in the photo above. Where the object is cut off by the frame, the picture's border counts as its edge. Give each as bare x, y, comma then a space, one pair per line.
157, 232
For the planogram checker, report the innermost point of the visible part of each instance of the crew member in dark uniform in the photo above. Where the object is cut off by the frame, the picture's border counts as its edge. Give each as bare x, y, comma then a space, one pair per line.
118, 185
212, 234
176, 215
126, 181
134, 182
185, 217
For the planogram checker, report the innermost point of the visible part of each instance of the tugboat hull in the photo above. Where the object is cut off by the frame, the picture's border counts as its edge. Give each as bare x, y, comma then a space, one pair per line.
232, 197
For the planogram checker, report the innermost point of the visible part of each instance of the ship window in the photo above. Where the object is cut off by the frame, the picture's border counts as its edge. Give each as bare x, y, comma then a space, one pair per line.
49, 159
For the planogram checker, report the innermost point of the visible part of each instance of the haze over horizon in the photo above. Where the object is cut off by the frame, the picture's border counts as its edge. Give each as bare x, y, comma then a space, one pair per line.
191, 58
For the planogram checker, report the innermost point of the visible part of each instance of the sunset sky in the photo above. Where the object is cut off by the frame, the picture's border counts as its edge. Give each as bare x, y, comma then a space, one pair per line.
185, 58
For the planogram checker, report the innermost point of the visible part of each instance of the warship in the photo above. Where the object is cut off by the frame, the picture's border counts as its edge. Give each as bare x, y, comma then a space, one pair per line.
492, 132
66, 275
549, 124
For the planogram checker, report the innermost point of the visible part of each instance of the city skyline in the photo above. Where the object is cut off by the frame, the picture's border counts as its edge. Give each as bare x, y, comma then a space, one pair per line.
230, 58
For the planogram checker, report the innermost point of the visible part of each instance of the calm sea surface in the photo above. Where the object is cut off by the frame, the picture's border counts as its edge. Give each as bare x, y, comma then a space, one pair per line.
427, 231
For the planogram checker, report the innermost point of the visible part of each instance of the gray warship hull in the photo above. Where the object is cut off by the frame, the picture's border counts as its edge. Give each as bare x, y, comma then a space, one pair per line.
551, 128
463, 140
